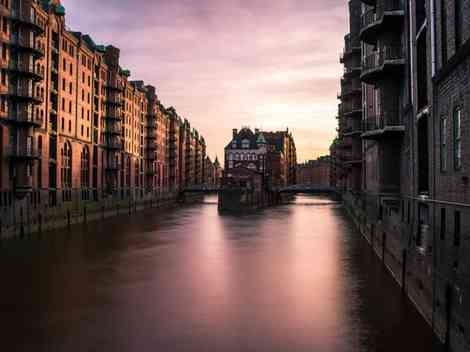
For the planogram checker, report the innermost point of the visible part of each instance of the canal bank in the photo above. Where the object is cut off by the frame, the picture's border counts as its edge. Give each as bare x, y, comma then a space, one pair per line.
392, 237
28, 220
297, 277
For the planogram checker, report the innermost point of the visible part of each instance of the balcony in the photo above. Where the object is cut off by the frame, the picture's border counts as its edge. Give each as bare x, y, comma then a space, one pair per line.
352, 109
388, 15
22, 152
113, 129
113, 166
23, 19
351, 46
388, 62
30, 71
114, 102
23, 119
151, 155
113, 143
151, 145
351, 71
344, 143
113, 117
386, 125
31, 47
25, 95
151, 124
113, 87
350, 89
352, 157
354, 129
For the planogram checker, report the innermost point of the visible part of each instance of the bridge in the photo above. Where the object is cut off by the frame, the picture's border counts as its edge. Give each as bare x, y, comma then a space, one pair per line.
303, 188
202, 189
306, 188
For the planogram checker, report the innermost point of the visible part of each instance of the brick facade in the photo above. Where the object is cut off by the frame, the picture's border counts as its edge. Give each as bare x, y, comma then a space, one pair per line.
413, 203
74, 128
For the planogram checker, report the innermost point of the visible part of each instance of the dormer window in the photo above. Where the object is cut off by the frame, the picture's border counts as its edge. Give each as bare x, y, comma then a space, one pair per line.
245, 144
234, 145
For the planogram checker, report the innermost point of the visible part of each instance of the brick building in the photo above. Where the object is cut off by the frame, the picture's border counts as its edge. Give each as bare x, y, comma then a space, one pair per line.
271, 153
74, 127
315, 172
412, 201
212, 172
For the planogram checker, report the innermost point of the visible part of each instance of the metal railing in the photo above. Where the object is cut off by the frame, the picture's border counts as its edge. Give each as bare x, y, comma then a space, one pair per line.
27, 68
15, 15
24, 117
375, 60
33, 46
113, 128
25, 94
151, 145
351, 107
114, 142
113, 165
385, 119
22, 150
375, 15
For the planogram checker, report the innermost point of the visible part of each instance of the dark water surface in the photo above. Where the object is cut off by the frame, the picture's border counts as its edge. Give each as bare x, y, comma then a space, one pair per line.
291, 278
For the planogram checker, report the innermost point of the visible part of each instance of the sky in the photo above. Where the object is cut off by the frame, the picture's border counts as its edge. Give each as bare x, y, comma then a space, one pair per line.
224, 64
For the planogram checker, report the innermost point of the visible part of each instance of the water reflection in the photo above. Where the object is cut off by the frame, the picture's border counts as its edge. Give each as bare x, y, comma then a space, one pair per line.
291, 278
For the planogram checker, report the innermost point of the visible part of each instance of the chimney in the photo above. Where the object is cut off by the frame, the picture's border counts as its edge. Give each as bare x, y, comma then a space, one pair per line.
234, 133
256, 130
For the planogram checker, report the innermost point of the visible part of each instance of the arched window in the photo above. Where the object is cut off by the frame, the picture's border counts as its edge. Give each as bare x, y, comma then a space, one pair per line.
85, 172
85, 168
66, 170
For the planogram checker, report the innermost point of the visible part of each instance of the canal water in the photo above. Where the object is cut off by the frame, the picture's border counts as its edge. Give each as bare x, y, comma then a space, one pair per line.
291, 278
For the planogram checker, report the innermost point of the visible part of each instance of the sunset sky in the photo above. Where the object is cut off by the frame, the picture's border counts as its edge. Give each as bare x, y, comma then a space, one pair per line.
224, 64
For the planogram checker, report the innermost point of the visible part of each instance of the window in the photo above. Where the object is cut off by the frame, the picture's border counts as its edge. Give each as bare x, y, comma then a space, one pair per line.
85, 168
245, 144
85, 172
443, 223
457, 139
66, 168
457, 228
443, 146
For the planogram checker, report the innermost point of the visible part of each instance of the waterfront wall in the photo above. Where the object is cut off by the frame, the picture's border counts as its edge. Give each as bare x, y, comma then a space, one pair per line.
430, 276
24, 219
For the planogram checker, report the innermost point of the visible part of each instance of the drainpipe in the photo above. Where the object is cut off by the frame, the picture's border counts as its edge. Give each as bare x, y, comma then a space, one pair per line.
432, 131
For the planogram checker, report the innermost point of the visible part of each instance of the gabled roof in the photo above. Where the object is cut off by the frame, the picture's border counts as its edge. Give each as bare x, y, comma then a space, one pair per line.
245, 133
